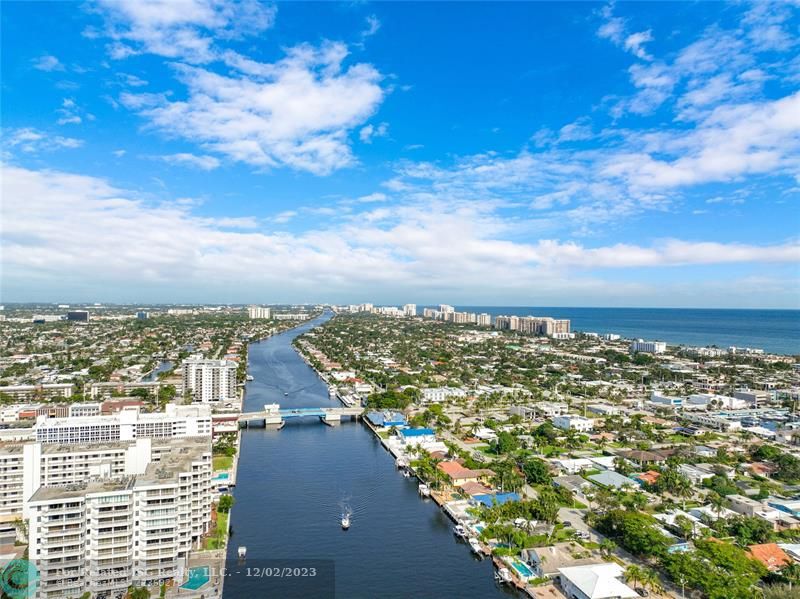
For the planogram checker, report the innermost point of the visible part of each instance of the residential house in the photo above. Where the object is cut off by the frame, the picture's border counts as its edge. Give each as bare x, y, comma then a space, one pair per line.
607, 478
546, 561
773, 557
597, 581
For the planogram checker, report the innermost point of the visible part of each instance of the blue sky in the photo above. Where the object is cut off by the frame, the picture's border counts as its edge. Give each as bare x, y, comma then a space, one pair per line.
629, 154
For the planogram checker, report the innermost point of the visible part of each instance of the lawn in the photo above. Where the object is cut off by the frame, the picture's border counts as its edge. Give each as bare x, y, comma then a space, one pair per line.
222, 462
218, 534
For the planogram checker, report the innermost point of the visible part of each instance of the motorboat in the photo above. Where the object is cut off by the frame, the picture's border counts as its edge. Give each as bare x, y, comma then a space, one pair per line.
424, 490
459, 531
503, 576
406, 473
286, 394
250, 377
242, 551
345, 521
475, 545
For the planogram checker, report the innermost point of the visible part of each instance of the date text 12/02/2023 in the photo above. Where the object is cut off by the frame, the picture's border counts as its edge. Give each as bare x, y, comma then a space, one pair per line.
280, 578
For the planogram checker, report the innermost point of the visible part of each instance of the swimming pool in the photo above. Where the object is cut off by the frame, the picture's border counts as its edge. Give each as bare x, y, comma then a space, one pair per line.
197, 577
523, 569
222, 476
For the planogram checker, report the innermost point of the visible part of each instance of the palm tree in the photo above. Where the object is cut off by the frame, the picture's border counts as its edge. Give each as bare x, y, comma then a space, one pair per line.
633, 574
718, 503
607, 547
650, 579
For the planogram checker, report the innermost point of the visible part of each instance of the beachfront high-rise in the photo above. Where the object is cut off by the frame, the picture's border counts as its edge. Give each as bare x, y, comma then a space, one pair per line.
255, 312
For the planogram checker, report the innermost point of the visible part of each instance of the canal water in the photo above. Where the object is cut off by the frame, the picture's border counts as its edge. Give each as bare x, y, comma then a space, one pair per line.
292, 484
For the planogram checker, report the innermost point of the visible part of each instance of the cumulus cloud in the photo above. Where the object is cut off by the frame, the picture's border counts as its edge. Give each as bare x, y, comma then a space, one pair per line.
615, 29
116, 237
370, 132
296, 112
47, 63
185, 29
32, 141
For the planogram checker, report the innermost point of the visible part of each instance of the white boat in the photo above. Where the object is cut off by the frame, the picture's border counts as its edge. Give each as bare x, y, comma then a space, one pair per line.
250, 377
424, 490
345, 521
475, 546
459, 531
406, 473
242, 552
503, 576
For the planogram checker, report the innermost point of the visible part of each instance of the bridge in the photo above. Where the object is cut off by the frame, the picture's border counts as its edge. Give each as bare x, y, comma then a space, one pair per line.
274, 414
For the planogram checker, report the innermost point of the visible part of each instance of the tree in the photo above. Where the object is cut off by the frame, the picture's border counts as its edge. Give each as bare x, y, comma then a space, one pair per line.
749, 530
719, 570
506, 443
637, 532
135, 592
633, 575
537, 471
225, 503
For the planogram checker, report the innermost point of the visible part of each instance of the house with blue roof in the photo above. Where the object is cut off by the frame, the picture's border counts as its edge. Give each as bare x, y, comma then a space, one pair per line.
416, 436
386, 419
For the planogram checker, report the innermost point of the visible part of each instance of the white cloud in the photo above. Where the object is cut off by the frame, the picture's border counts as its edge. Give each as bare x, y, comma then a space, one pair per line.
47, 63
185, 29
373, 25
424, 246
723, 64
71, 113
206, 163
32, 141
119, 153
370, 132
615, 30
296, 112
634, 44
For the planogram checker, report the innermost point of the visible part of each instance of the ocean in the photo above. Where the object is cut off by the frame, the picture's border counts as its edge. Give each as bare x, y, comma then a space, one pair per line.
775, 331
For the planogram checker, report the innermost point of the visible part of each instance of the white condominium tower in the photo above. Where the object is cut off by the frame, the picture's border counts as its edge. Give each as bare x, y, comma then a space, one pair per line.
102, 534
258, 312
410, 310
209, 380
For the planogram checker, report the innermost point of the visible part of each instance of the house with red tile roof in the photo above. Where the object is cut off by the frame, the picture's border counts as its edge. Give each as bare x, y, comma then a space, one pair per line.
769, 554
459, 474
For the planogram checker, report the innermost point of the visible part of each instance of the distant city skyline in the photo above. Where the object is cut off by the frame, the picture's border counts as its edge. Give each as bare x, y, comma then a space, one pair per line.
515, 154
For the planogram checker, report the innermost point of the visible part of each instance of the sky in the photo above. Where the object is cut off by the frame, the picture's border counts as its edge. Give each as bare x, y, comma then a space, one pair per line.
573, 154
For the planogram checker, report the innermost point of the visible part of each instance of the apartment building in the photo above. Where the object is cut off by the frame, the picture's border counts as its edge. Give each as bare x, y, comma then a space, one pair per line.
572, 422
106, 390
45, 391
648, 347
410, 310
440, 394
128, 424
534, 325
256, 312
210, 380
105, 533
